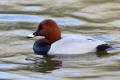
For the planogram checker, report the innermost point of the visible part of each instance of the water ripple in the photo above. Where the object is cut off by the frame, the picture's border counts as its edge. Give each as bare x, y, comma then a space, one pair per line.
21, 17
8, 66
33, 8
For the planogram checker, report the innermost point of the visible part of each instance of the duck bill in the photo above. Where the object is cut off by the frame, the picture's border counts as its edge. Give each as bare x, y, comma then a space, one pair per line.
29, 36
36, 33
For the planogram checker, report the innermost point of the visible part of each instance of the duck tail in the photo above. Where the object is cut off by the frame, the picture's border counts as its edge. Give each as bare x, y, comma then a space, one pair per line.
103, 47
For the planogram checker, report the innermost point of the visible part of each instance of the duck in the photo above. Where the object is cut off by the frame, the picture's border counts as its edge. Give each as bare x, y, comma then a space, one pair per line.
53, 42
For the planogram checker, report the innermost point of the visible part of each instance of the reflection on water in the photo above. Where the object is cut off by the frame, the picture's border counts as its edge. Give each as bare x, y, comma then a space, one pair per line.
97, 18
16, 17
45, 65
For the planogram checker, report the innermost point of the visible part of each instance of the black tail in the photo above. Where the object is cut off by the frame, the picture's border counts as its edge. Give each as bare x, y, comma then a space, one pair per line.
103, 47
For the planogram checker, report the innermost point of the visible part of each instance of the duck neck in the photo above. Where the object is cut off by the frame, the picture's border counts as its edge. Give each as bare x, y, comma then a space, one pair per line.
51, 38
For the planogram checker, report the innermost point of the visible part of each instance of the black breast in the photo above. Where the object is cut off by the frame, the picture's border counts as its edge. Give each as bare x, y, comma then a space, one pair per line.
41, 48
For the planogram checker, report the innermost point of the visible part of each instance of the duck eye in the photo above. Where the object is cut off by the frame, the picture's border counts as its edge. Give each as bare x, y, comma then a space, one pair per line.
40, 27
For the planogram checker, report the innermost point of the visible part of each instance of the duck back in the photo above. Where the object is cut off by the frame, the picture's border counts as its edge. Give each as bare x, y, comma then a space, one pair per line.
74, 44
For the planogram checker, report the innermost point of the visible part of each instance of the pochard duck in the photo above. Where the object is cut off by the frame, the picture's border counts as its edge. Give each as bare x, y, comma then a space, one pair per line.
55, 43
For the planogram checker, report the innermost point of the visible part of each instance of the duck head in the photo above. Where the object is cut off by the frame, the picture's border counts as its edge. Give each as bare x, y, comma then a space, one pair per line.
49, 29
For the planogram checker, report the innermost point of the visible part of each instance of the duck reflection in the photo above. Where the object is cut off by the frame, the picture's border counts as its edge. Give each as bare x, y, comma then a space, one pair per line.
45, 64
49, 63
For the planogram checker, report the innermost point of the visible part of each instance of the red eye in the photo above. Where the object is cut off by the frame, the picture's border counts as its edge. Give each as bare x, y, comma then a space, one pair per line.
40, 27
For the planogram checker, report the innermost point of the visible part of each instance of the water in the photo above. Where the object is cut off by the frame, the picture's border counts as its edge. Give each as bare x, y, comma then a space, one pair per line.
97, 18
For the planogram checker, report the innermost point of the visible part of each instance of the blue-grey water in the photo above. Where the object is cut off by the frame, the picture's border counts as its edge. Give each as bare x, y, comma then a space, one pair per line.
97, 18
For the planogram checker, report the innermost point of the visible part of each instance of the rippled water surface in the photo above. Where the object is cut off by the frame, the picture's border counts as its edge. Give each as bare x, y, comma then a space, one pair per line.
97, 18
